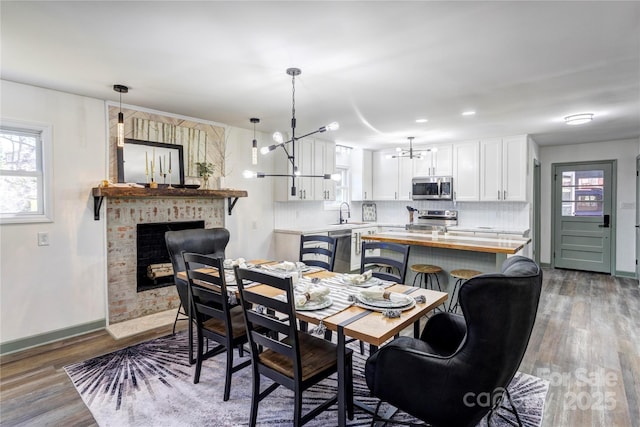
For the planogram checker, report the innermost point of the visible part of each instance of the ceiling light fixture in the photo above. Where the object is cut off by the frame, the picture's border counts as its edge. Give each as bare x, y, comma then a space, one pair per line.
469, 113
421, 120
254, 147
120, 129
411, 153
578, 119
280, 142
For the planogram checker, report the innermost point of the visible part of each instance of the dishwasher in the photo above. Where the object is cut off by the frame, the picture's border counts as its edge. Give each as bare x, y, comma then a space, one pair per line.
343, 250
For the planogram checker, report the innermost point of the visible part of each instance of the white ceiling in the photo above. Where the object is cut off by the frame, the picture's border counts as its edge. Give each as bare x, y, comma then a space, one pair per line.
373, 66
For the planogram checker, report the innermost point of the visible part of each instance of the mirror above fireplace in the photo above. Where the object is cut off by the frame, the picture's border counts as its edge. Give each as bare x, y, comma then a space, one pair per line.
137, 157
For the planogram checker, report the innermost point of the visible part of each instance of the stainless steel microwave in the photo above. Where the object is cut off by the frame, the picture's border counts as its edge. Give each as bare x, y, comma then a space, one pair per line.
432, 188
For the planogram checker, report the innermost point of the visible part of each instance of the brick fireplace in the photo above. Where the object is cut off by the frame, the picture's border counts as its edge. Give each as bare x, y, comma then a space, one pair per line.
123, 216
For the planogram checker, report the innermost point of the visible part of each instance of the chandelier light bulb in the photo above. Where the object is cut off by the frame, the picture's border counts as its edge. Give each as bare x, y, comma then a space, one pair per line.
265, 150
277, 137
249, 174
336, 177
333, 126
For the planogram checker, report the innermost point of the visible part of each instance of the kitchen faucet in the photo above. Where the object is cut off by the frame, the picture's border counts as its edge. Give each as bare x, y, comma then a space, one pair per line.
342, 220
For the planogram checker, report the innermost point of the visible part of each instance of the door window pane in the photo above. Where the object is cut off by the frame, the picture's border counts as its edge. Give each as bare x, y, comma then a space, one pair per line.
582, 193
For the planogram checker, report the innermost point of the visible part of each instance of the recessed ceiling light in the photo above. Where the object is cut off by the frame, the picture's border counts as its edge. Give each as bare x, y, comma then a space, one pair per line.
468, 113
578, 119
421, 120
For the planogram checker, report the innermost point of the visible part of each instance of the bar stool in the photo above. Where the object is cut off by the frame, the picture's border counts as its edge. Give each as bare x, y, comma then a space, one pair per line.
426, 273
462, 275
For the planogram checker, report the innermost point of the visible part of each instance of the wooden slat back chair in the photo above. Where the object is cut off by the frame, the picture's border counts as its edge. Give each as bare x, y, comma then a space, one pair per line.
397, 261
295, 359
215, 318
208, 241
324, 246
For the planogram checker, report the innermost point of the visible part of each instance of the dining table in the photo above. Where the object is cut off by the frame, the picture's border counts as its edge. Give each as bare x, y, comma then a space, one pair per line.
347, 316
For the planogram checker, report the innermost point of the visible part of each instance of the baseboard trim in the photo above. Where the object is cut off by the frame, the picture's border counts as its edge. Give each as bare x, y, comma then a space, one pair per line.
48, 337
545, 265
629, 274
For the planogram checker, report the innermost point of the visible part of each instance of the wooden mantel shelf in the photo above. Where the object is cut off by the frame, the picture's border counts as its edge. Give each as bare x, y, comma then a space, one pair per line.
99, 193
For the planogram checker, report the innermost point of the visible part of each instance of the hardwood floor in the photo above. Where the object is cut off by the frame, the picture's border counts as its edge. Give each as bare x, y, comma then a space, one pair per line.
586, 342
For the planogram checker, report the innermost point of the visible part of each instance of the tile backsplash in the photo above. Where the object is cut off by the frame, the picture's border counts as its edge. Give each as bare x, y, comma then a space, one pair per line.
506, 215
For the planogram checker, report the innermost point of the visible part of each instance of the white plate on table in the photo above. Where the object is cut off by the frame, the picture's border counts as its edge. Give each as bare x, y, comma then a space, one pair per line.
316, 304
396, 300
371, 282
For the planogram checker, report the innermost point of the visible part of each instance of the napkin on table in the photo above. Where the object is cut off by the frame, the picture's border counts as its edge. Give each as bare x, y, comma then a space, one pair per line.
376, 293
310, 293
358, 279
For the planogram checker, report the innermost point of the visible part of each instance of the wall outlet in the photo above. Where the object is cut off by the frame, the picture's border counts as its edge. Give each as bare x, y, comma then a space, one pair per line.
43, 238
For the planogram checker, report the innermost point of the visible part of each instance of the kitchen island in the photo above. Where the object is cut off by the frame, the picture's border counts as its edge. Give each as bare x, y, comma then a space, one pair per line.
454, 250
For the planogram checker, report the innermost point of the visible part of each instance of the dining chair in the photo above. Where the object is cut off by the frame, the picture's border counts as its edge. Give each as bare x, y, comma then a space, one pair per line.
387, 260
318, 251
209, 241
289, 357
458, 357
215, 318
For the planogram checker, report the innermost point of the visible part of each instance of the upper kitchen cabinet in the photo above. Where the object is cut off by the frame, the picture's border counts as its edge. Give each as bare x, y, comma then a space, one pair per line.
304, 150
392, 177
324, 162
361, 174
466, 171
503, 169
438, 161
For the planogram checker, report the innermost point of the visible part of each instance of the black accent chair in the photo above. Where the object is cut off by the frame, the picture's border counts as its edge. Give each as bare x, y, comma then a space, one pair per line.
388, 265
438, 377
215, 318
318, 251
208, 241
294, 359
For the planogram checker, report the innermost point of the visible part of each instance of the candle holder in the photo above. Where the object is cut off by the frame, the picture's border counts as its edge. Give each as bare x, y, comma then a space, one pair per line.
153, 184
170, 186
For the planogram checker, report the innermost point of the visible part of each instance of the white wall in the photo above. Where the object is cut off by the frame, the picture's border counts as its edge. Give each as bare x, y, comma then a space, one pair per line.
251, 222
625, 152
62, 286
47, 288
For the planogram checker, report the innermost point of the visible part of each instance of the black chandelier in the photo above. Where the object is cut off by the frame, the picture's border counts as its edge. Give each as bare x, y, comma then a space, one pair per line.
411, 153
291, 155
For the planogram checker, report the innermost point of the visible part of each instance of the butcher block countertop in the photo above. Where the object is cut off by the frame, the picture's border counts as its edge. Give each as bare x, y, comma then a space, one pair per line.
450, 240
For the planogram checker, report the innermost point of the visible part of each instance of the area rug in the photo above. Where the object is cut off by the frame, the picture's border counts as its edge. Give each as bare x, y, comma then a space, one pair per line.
151, 384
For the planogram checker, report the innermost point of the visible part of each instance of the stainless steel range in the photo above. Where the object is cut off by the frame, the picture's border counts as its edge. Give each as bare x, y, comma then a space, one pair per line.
429, 220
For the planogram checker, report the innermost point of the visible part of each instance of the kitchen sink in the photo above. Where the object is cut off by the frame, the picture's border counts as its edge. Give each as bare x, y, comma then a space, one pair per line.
350, 223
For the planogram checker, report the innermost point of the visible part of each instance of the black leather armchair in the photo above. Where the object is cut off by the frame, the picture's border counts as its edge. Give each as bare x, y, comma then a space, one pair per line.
208, 241
438, 377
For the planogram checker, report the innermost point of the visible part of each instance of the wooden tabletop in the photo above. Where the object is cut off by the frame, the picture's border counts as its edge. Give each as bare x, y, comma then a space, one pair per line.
453, 241
373, 327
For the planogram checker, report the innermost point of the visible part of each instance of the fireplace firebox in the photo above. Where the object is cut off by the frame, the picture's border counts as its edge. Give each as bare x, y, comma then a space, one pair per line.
153, 268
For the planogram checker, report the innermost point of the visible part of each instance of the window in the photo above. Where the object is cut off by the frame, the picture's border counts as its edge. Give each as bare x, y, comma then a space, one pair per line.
582, 193
342, 190
25, 156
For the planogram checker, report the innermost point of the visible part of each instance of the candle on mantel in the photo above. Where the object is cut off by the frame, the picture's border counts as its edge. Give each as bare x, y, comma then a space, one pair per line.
169, 161
153, 163
160, 161
164, 156
146, 164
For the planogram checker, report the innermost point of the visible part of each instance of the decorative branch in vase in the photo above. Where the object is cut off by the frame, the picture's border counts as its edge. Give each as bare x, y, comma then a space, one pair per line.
205, 170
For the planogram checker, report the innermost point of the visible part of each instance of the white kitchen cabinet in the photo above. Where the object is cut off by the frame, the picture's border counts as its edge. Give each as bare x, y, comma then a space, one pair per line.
391, 177
324, 162
313, 157
503, 169
466, 171
361, 175
356, 245
437, 161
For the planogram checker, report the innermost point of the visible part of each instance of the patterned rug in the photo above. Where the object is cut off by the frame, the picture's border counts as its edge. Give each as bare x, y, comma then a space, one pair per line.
151, 384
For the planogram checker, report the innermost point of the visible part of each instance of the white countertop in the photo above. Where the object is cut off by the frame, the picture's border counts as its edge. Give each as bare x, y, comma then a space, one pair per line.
310, 229
524, 232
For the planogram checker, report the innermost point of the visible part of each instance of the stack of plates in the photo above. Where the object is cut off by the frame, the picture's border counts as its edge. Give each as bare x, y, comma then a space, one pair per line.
395, 301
